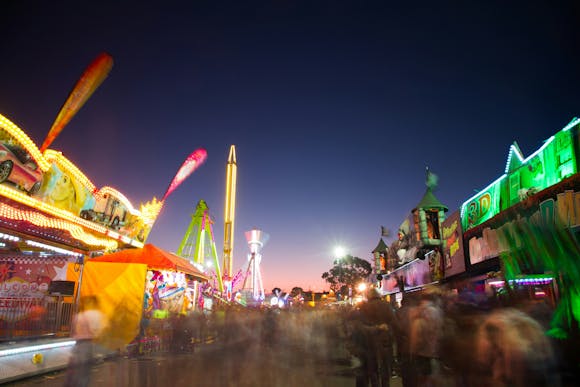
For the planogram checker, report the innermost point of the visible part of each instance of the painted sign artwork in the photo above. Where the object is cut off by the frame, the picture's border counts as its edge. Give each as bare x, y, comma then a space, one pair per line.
453, 250
18, 168
412, 275
63, 191
558, 211
25, 280
167, 291
482, 207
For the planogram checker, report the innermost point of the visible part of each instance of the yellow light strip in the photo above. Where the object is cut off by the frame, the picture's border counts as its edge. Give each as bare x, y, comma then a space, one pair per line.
230, 212
113, 234
35, 203
122, 198
137, 244
69, 167
40, 220
66, 215
44, 164
150, 211
25, 141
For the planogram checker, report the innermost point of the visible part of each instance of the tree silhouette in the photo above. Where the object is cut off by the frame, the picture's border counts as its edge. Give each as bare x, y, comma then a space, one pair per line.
347, 272
296, 291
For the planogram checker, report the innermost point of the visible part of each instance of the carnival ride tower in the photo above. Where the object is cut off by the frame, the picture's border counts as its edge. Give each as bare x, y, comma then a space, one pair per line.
198, 241
256, 240
230, 214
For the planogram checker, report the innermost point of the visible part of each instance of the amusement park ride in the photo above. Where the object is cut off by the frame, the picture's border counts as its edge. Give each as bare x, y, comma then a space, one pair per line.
230, 212
53, 218
113, 211
198, 244
102, 219
256, 240
51, 197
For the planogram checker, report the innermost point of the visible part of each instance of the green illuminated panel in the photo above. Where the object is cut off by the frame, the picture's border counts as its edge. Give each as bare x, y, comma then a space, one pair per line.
483, 206
549, 165
553, 162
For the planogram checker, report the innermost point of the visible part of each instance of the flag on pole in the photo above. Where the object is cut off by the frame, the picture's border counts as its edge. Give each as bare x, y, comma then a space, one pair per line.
431, 179
385, 231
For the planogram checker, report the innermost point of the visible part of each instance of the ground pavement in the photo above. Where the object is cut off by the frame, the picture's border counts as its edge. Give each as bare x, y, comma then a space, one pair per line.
241, 364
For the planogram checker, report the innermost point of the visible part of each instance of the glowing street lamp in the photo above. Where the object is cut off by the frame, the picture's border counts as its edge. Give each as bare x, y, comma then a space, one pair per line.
362, 287
339, 252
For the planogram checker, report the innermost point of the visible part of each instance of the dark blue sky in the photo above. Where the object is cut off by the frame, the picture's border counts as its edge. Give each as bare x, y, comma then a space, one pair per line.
335, 107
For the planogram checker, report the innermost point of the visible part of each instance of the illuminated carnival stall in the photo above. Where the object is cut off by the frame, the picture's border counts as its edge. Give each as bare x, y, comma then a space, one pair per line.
517, 240
170, 283
53, 219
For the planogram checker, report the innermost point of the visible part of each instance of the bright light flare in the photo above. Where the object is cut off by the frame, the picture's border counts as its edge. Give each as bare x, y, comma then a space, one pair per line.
339, 252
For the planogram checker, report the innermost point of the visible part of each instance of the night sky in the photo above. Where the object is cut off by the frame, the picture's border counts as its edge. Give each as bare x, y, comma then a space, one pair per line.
335, 107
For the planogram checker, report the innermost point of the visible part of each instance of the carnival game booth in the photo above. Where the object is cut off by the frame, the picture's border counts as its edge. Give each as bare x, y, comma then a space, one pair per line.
410, 277
52, 215
35, 299
521, 232
415, 259
139, 290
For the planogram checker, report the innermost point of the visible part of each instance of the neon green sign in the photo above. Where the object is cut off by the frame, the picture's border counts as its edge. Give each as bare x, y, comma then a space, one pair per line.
553, 162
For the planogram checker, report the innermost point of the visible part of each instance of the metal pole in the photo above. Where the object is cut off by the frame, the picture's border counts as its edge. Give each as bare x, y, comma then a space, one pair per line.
81, 262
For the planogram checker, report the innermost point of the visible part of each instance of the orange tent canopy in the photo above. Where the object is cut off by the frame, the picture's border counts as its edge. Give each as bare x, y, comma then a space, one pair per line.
154, 258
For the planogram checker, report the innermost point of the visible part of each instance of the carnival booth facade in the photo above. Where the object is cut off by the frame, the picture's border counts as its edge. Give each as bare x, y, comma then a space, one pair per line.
415, 259
35, 298
527, 249
140, 290
52, 215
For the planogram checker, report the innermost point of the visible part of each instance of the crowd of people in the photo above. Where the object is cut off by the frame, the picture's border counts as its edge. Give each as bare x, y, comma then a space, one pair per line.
431, 339
434, 340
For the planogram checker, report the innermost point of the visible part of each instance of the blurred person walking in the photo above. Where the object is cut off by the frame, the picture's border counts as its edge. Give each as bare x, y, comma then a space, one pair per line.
403, 338
512, 350
426, 330
361, 346
88, 325
378, 322
269, 328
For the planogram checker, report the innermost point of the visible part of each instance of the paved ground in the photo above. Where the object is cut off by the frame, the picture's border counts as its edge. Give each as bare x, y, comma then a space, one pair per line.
241, 364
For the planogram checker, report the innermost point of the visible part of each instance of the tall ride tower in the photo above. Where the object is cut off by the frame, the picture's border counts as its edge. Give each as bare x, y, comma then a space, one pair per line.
256, 240
230, 214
